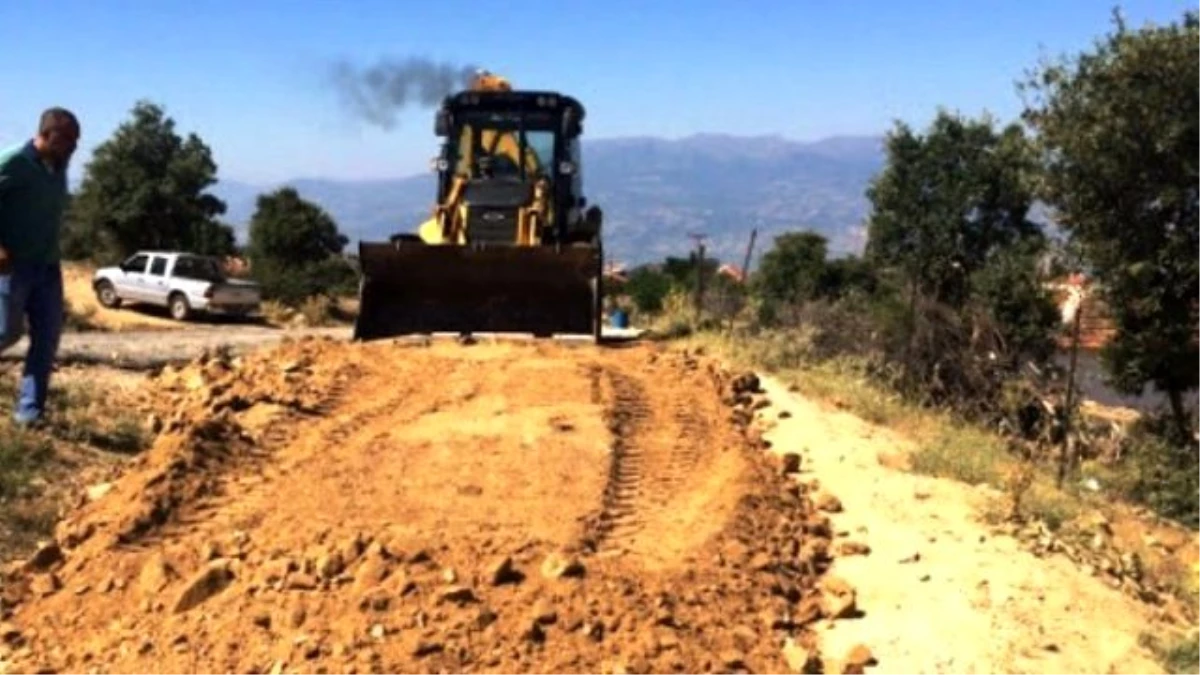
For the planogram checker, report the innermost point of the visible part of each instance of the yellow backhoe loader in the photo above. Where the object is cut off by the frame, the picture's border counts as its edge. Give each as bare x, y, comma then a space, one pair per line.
511, 245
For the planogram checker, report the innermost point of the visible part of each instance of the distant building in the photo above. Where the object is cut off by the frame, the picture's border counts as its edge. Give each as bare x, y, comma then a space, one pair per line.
616, 271
1076, 293
733, 272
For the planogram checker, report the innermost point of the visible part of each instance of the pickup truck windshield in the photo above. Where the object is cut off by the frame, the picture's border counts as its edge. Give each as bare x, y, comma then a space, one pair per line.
201, 269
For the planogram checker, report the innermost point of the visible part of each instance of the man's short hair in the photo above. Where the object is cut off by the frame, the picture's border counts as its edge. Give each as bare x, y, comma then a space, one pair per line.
58, 119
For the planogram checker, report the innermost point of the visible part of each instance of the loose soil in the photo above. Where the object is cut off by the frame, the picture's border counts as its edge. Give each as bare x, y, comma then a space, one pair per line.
324, 506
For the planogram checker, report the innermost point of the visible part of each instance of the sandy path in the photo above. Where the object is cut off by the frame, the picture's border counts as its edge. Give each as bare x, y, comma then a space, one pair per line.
971, 602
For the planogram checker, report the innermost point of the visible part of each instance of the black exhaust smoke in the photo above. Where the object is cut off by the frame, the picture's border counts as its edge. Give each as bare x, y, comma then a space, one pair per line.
377, 93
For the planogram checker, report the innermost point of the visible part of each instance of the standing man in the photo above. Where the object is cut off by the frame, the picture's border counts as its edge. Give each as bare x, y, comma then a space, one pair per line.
33, 197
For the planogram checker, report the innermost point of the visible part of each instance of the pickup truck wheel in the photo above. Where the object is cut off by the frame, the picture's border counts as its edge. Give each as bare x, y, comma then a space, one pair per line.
178, 305
107, 295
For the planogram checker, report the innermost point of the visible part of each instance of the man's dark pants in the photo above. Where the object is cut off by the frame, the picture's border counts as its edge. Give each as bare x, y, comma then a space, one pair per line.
34, 292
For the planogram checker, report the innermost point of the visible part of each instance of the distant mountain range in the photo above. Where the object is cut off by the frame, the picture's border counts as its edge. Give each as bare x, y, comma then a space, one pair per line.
653, 191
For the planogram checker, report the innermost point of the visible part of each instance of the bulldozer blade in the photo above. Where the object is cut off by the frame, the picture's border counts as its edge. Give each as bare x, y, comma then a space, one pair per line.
412, 287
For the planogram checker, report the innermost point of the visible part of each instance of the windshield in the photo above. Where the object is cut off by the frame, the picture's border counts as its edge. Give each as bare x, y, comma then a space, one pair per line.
502, 145
201, 269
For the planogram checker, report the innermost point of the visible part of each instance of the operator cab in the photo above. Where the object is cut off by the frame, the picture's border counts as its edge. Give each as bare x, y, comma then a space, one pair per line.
506, 145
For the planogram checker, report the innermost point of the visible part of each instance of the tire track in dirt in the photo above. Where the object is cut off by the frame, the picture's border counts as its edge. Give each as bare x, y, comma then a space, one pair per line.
654, 496
619, 517
686, 458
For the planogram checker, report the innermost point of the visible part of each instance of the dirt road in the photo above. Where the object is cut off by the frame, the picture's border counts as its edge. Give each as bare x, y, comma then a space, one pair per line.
387, 508
324, 506
153, 348
942, 593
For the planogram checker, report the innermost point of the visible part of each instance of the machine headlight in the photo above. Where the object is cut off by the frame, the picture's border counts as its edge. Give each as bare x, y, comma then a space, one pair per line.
566, 167
439, 164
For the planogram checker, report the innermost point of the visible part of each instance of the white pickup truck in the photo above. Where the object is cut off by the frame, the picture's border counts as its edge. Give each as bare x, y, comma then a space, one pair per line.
184, 283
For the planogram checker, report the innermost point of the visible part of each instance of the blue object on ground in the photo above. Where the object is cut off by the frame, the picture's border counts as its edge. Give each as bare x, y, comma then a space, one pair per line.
619, 319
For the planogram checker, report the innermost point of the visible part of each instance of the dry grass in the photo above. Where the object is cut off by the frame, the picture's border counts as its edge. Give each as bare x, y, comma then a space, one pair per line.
86, 431
22, 453
314, 311
1179, 654
945, 446
81, 317
319, 310
276, 313
676, 320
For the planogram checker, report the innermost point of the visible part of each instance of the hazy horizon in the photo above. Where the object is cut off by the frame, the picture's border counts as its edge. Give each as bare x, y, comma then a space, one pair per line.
256, 81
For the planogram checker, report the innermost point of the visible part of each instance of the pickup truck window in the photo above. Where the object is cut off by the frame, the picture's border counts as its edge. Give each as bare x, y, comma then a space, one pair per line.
200, 269
136, 264
158, 267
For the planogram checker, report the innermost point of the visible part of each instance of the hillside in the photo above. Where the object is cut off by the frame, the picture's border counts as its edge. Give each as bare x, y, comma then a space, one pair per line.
654, 192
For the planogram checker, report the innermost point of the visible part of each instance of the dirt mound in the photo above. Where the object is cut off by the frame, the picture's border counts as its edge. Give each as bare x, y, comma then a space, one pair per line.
380, 507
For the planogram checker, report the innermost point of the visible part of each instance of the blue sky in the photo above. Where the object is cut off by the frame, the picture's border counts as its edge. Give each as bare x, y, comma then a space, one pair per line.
248, 75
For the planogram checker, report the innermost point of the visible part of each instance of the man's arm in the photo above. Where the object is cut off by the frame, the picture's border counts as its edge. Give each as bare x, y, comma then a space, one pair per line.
9, 181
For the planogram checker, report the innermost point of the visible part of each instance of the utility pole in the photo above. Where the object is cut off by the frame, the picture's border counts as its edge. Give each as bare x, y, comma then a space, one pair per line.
745, 273
699, 239
1068, 447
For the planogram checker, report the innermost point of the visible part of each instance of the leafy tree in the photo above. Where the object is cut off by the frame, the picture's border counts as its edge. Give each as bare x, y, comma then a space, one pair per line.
295, 248
793, 270
648, 288
949, 227
846, 275
1010, 291
145, 188
1118, 128
946, 200
682, 271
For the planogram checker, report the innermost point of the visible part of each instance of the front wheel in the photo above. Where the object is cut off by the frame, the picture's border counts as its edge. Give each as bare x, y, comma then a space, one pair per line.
178, 305
107, 295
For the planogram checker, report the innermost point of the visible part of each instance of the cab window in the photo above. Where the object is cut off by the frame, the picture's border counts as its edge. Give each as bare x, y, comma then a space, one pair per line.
136, 264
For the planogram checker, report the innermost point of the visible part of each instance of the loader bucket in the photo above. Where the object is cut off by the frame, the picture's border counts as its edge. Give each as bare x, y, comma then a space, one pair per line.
412, 287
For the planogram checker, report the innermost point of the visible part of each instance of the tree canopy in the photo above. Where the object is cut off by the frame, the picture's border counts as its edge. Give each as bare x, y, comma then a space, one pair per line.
145, 187
295, 247
1118, 129
946, 200
793, 269
648, 288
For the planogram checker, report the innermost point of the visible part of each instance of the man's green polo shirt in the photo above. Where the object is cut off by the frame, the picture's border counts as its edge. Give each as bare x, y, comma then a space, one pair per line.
32, 201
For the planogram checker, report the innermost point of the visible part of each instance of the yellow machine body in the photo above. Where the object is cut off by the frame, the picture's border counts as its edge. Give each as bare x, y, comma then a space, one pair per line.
508, 246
